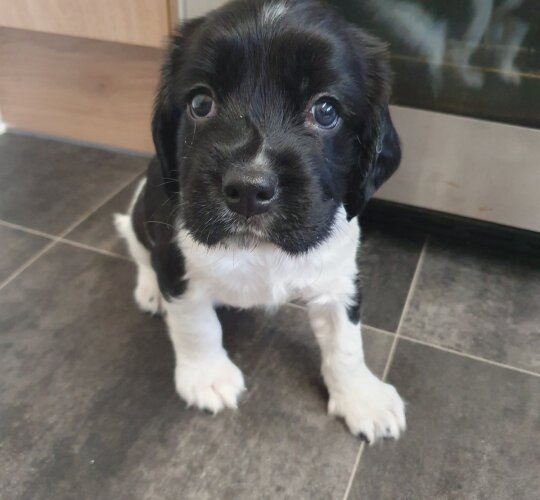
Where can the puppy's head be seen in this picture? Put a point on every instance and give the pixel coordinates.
(270, 116)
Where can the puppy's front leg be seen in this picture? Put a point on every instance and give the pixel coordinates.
(371, 408)
(204, 375)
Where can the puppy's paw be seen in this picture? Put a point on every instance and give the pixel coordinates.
(212, 385)
(147, 294)
(371, 408)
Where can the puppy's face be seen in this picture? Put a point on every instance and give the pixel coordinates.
(270, 116)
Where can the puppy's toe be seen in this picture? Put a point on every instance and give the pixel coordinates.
(210, 385)
(371, 408)
(148, 297)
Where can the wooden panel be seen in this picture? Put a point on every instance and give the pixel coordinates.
(83, 89)
(194, 8)
(142, 22)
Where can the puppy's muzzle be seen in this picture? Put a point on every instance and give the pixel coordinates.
(250, 193)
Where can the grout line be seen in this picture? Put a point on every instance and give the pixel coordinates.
(90, 248)
(67, 241)
(28, 230)
(103, 202)
(27, 264)
(405, 310)
(470, 356)
(354, 470)
(60, 237)
(378, 331)
(449, 350)
(390, 358)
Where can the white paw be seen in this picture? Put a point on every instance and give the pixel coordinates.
(147, 294)
(211, 385)
(371, 408)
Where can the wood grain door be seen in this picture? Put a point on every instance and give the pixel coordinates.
(139, 22)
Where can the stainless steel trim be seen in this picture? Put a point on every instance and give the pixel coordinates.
(194, 8)
(473, 168)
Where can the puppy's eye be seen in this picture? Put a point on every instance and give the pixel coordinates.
(324, 114)
(202, 106)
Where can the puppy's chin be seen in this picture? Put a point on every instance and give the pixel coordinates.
(248, 233)
(230, 230)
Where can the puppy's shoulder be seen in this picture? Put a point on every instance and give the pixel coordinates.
(155, 225)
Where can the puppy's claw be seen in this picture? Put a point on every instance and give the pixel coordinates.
(371, 408)
(364, 438)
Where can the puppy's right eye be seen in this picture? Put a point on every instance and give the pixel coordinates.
(325, 114)
(202, 106)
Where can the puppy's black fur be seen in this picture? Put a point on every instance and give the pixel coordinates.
(264, 74)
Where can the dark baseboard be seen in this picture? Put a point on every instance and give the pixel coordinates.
(405, 219)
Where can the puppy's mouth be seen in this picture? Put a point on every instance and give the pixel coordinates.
(248, 232)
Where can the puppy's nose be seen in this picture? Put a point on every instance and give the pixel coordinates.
(249, 194)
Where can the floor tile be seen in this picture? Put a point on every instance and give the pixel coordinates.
(47, 185)
(80, 373)
(474, 300)
(88, 405)
(473, 432)
(387, 266)
(16, 248)
(282, 444)
(98, 230)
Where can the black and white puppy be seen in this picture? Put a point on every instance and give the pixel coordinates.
(272, 132)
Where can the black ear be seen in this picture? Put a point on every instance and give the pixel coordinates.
(167, 111)
(380, 150)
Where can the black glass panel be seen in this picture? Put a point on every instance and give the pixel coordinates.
(478, 58)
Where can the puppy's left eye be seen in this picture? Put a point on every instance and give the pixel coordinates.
(202, 106)
(324, 114)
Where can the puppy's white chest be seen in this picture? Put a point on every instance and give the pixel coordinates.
(266, 276)
(244, 278)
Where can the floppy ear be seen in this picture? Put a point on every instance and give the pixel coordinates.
(380, 150)
(168, 112)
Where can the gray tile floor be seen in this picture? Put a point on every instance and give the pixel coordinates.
(87, 403)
